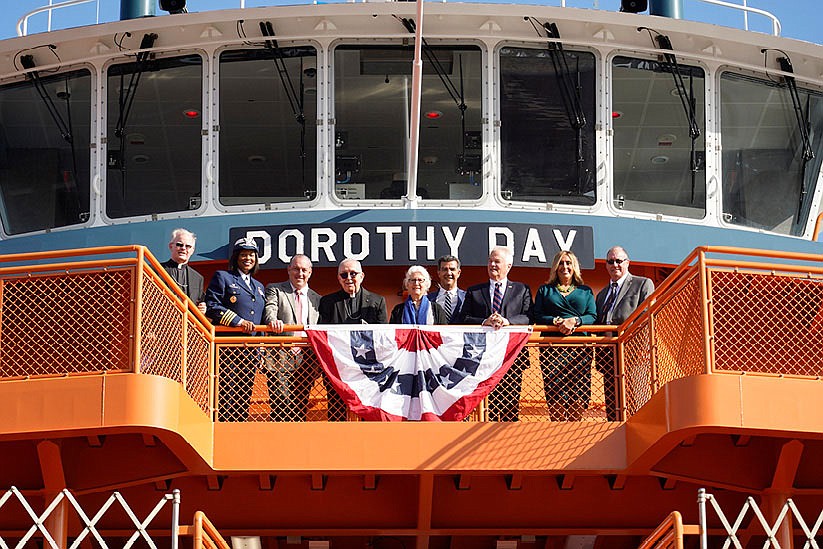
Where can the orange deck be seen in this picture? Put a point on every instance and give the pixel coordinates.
(740, 431)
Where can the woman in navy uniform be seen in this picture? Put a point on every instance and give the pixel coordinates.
(235, 298)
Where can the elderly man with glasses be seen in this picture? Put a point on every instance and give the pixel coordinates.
(352, 304)
(615, 303)
(181, 248)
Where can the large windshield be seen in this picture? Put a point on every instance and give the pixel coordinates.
(268, 125)
(659, 147)
(44, 152)
(768, 182)
(372, 96)
(547, 132)
(154, 136)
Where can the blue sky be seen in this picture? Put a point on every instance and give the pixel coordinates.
(794, 15)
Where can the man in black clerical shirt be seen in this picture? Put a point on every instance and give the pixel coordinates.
(181, 247)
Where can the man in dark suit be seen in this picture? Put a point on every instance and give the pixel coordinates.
(449, 296)
(615, 303)
(291, 372)
(181, 248)
(352, 304)
(497, 303)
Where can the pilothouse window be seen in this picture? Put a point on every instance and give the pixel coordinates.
(372, 113)
(659, 158)
(768, 181)
(268, 128)
(45, 151)
(154, 136)
(547, 125)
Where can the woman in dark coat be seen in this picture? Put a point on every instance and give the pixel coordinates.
(417, 308)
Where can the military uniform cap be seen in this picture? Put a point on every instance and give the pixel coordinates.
(246, 244)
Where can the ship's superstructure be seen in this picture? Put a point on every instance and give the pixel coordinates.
(698, 148)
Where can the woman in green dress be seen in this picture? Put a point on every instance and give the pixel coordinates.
(565, 302)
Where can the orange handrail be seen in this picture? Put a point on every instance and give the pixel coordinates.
(668, 535)
(205, 534)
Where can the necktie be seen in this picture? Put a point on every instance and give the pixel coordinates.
(607, 306)
(497, 303)
(447, 302)
(247, 280)
(298, 307)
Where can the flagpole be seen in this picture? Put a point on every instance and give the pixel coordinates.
(414, 126)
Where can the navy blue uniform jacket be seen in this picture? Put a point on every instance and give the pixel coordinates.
(229, 300)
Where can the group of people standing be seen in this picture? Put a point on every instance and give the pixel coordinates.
(235, 298)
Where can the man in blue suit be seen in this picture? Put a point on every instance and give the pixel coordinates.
(234, 298)
(497, 303)
(449, 296)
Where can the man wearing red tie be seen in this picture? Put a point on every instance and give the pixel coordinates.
(497, 303)
(291, 372)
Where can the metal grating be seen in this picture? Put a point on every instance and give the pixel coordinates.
(89, 323)
(759, 318)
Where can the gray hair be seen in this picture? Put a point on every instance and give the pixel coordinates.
(182, 232)
(414, 269)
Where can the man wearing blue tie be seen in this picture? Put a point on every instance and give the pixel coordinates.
(449, 296)
(615, 303)
(497, 303)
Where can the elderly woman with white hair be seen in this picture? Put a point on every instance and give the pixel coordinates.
(417, 308)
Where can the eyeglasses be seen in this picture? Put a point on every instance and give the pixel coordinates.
(348, 274)
(417, 280)
(181, 245)
(615, 261)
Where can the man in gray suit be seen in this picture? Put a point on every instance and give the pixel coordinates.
(291, 372)
(615, 303)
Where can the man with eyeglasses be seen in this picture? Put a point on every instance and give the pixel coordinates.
(352, 304)
(615, 303)
(181, 247)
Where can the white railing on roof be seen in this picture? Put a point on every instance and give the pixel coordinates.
(22, 23)
(746, 9)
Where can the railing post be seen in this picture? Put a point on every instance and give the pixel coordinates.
(175, 519)
(137, 308)
(701, 507)
(653, 353)
(619, 366)
(705, 304)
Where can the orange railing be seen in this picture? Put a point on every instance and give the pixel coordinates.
(204, 533)
(115, 310)
(104, 310)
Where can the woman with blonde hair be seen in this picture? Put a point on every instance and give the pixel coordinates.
(417, 308)
(565, 302)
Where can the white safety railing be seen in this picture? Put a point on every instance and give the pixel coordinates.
(746, 9)
(772, 529)
(23, 22)
(90, 524)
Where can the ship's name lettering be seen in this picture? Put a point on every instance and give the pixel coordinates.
(409, 243)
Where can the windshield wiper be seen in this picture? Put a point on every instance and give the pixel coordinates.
(569, 92)
(457, 95)
(687, 98)
(802, 125)
(296, 99)
(63, 126)
(126, 100)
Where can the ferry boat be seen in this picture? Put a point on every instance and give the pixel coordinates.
(396, 133)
